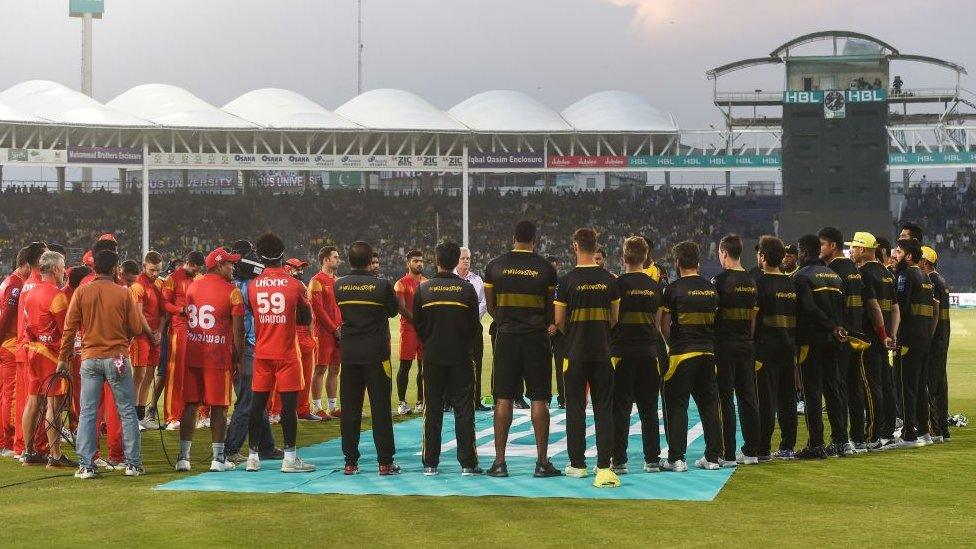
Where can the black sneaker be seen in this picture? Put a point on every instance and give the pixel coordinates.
(472, 471)
(62, 461)
(546, 470)
(833, 450)
(33, 459)
(812, 453)
(274, 455)
(499, 470)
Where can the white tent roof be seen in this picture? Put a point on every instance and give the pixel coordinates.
(397, 110)
(174, 107)
(507, 111)
(61, 105)
(10, 114)
(615, 112)
(278, 108)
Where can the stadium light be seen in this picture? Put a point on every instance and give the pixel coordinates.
(86, 10)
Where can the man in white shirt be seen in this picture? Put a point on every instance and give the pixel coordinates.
(464, 271)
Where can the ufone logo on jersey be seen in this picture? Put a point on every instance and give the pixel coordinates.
(271, 282)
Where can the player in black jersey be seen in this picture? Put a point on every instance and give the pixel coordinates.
(736, 371)
(690, 303)
(587, 307)
(858, 302)
(556, 343)
(917, 305)
(789, 260)
(518, 289)
(775, 351)
(938, 352)
(445, 314)
(875, 369)
(820, 333)
(633, 351)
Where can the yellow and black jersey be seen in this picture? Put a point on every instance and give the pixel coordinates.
(692, 302)
(587, 293)
(776, 317)
(523, 283)
(636, 331)
(916, 307)
(366, 303)
(445, 314)
(853, 293)
(940, 289)
(880, 284)
(820, 302)
(736, 303)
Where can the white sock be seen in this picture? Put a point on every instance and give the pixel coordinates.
(290, 453)
(218, 451)
(332, 404)
(252, 454)
(317, 404)
(185, 449)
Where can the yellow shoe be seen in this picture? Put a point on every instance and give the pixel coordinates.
(605, 478)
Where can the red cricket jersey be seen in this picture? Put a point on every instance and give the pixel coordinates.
(148, 297)
(174, 295)
(45, 308)
(10, 294)
(274, 297)
(321, 295)
(407, 287)
(211, 304)
(33, 280)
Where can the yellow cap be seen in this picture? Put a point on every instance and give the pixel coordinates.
(928, 254)
(863, 240)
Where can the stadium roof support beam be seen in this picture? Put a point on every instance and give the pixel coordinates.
(784, 49)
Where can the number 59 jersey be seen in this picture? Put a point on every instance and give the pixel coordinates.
(274, 297)
(211, 304)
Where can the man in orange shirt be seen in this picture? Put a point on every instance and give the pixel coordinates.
(327, 320)
(109, 319)
(44, 310)
(306, 346)
(405, 289)
(279, 305)
(145, 357)
(174, 302)
(33, 258)
(9, 299)
(215, 345)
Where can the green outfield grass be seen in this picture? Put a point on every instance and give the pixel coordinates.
(918, 497)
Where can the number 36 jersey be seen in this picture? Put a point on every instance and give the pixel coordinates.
(274, 297)
(211, 304)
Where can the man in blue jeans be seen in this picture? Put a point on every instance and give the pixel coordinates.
(108, 318)
(239, 421)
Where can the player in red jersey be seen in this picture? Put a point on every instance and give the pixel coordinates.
(10, 296)
(328, 319)
(44, 310)
(405, 289)
(145, 355)
(174, 301)
(306, 347)
(214, 347)
(33, 258)
(279, 305)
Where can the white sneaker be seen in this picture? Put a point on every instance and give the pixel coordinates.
(917, 443)
(743, 459)
(274, 419)
(134, 471)
(678, 466)
(253, 464)
(937, 439)
(403, 409)
(7, 453)
(801, 408)
(203, 423)
(654, 466)
(576, 472)
(183, 465)
(86, 472)
(727, 464)
(107, 465)
(221, 466)
(296, 465)
(148, 425)
(703, 463)
(173, 426)
(926, 439)
(419, 408)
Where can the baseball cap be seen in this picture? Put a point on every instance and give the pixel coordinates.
(296, 263)
(219, 255)
(108, 236)
(928, 254)
(863, 240)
